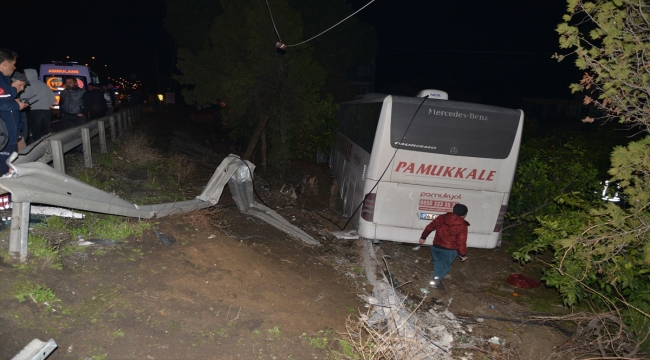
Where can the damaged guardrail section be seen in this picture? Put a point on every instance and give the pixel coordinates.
(36, 182)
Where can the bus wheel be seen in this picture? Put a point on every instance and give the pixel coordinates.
(376, 242)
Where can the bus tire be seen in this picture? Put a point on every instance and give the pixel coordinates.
(376, 242)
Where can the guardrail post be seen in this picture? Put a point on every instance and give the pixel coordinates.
(19, 229)
(85, 140)
(102, 137)
(57, 156)
(119, 124)
(112, 123)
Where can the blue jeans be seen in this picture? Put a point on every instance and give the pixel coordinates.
(442, 260)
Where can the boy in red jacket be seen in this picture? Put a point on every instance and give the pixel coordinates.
(450, 239)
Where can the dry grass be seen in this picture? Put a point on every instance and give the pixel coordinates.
(389, 339)
(137, 147)
(205, 218)
(182, 168)
(490, 352)
(598, 336)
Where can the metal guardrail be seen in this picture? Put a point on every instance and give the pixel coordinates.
(53, 147)
(33, 181)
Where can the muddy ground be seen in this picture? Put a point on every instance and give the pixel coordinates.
(232, 287)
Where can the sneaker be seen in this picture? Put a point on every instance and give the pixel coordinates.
(436, 284)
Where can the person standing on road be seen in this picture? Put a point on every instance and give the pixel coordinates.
(96, 102)
(71, 104)
(10, 107)
(20, 83)
(450, 239)
(40, 98)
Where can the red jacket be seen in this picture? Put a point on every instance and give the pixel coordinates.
(451, 232)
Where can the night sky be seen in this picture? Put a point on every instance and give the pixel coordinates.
(119, 33)
(491, 52)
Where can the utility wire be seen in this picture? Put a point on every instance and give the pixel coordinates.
(467, 51)
(313, 37)
(333, 26)
(276, 29)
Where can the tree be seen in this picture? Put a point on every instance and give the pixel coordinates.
(239, 64)
(611, 40)
(602, 252)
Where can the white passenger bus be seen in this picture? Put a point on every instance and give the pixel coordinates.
(426, 162)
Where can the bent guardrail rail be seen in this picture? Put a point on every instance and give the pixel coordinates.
(36, 182)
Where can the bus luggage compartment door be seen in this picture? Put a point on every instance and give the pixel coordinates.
(414, 206)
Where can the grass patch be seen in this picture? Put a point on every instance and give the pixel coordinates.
(51, 241)
(96, 308)
(137, 172)
(98, 226)
(274, 332)
(97, 176)
(117, 228)
(320, 341)
(42, 252)
(136, 147)
(97, 356)
(39, 294)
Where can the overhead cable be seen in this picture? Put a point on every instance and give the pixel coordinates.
(281, 45)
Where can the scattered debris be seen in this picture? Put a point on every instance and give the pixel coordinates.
(495, 342)
(346, 234)
(81, 241)
(105, 242)
(290, 192)
(405, 337)
(6, 204)
(164, 239)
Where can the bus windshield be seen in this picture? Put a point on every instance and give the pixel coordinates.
(453, 128)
